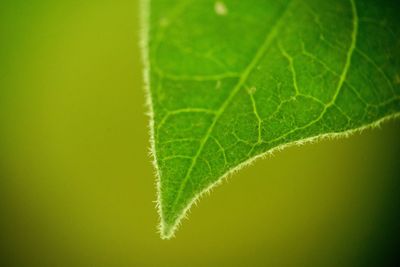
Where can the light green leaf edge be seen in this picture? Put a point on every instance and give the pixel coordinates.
(168, 231)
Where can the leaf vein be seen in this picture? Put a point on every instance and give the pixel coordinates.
(259, 54)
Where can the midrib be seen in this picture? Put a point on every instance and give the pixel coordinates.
(243, 78)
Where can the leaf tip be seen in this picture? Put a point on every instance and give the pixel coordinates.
(168, 225)
(167, 231)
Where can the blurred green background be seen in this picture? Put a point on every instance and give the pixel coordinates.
(77, 187)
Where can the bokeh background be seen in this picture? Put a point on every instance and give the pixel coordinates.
(77, 187)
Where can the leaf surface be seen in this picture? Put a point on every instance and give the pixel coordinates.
(230, 81)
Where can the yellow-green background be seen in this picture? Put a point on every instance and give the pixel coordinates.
(77, 187)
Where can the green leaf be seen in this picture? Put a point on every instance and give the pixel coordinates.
(230, 81)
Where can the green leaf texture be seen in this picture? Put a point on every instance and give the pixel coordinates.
(232, 80)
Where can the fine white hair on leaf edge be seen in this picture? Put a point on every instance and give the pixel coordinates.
(144, 7)
(168, 232)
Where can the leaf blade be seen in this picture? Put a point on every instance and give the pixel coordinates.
(247, 118)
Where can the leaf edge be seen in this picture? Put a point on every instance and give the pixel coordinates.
(168, 231)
